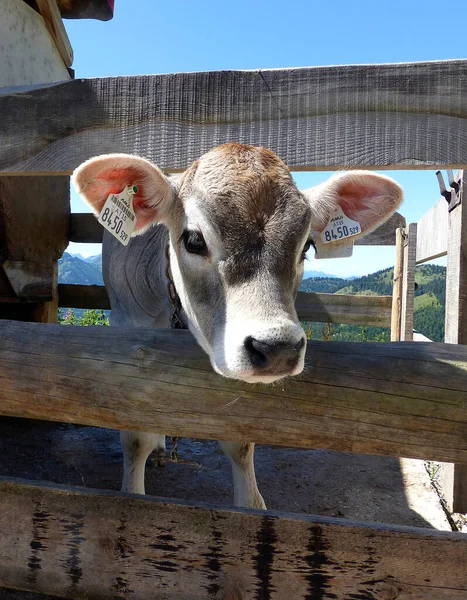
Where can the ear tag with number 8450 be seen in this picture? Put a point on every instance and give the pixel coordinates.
(339, 227)
(118, 216)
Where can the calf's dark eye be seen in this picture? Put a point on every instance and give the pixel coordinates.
(194, 242)
(306, 247)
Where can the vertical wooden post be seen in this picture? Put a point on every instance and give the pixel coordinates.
(396, 315)
(408, 283)
(454, 477)
(34, 232)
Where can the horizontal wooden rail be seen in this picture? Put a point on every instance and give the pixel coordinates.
(322, 308)
(399, 399)
(78, 543)
(432, 233)
(410, 115)
(344, 308)
(85, 229)
(83, 296)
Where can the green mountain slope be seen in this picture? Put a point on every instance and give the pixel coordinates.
(429, 305)
(72, 269)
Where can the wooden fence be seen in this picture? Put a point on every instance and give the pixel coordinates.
(442, 231)
(342, 308)
(401, 399)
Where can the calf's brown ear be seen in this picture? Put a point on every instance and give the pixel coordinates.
(101, 176)
(366, 197)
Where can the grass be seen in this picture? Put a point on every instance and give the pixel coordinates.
(428, 299)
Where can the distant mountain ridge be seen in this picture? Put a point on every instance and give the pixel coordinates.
(72, 269)
(430, 301)
(429, 304)
(308, 274)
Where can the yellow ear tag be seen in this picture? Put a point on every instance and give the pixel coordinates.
(339, 227)
(118, 216)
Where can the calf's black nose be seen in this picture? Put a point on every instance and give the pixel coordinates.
(272, 354)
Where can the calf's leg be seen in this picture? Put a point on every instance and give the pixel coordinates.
(246, 491)
(137, 446)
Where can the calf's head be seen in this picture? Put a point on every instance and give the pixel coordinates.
(239, 230)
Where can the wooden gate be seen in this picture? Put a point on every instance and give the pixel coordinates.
(400, 399)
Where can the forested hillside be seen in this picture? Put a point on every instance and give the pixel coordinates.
(429, 296)
(72, 269)
(429, 302)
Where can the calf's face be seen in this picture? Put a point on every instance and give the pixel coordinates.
(239, 230)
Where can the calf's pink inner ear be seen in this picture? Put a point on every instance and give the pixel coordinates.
(114, 181)
(97, 185)
(369, 199)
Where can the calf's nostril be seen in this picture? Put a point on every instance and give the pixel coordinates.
(299, 345)
(257, 351)
(262, 354)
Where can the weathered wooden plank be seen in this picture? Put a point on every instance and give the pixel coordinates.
(456, 272)
(313, 118)
(79, 543)
(34, 218)
(344, 308)
(385, 234)
(400, 399)
(29, 281)
(408, 282)
(455, 476)
(53, 20)
(324, 308)
(85, 229)
(28, 54)
(34, 226)
(396, 312)
(432, 233)
(83, 296)
(91, 9)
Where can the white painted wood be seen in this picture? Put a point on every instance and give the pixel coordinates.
(432, 233)
(53, 19)
(408, 283)
(419, 337)
(454, 477)
(396, 314)
(28, 54)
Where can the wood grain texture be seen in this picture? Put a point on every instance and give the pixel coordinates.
(85, 229)
(28, 54)
(385, 234)
(344, 308)
(79, 543)
(53, 20)
(323, 308)
(83, 296)
(455, 476)
(432, 233)
(399, 399)
(456, 272)
(34, 218)
(408, 282)
(410, 115)
(396, 311)
(29, 281)
(34, 232)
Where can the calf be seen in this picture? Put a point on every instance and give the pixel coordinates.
(235, 230)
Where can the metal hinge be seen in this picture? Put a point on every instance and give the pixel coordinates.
(452, 196)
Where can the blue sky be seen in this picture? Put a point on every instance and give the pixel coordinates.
(147, 37)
